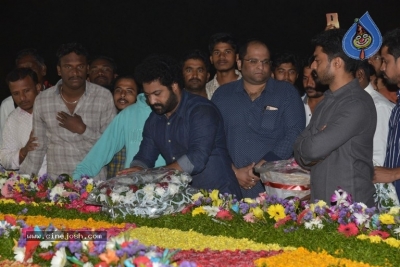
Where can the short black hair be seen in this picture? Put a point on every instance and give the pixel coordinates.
(391, 39)
(125, 76)
(30, 52)
(285, 57)
(162, 68)
(20, 74)
(367, 68)
(109, 59)
(66, 49)
(199, 55)
(243, 48)
(222, 37)
(331, 43)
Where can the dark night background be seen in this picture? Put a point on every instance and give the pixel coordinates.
(128, 31)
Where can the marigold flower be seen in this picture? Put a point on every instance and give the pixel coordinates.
(109, 256)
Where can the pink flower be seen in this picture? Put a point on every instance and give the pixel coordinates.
(85, 195)
(349, 229)
(282, 221)
(224, 215)
(89, 208)
(249, 217)
(5, 190)
(382, 234)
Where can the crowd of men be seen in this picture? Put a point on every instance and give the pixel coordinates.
(97, 122)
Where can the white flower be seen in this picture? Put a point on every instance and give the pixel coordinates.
(211, 210)
(397, 231)
(173, 189)
(33, 186)
(315, 223)
(116, 198)
(160, 191)
(4, 225)
(129, 198)
(59, 259)
(57, 190)
(121, 189)
(361, 218)
(45, 244)
(111, 244)
(19, 254)
(102, 197)
(148, 189)
(87, 264)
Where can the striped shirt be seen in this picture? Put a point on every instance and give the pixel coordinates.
(65, 149)
(392, 159)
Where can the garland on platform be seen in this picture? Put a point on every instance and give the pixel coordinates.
(288, 215)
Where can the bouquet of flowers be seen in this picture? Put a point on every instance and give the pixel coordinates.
(147, 193)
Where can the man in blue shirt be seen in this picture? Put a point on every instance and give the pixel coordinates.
(262, 116)
(186, 129)
(390, 53)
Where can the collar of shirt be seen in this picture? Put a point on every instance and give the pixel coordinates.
(88, 89)
(344, 90)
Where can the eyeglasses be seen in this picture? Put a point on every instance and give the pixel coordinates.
(254, 61)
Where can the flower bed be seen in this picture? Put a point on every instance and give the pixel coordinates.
(349, 233)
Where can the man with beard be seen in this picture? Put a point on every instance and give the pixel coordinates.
(69, 117)
(186, 129)
(390, 52)
(314, 91)
(223, 55)
(195, 68)
(337, 144)
(102, 71)
(262, 116)
(125, 131)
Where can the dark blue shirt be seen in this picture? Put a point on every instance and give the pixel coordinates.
(392, 159)
(265, 128)
(194, 137)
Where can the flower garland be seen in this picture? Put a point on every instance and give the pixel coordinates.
(304, 257)
(290, 214)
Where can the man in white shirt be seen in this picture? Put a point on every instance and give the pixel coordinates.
(223, 55)
(17, 138)
(383, 110)
(26, 58)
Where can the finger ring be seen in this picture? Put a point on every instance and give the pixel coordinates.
(249, 187)
(252, 179)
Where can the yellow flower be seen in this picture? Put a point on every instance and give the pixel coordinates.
(375, 239)
(258, 213)
(197, 196)
(276, 212)
(198, 210)
(303, 257)
(394, 210)
(320, 204)
(89, 188)
(22, 203)
(386, 218)
(216, 201)
(362, 237)
(393, 242)
(249, 200)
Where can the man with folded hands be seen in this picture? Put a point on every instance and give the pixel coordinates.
(262, 116)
